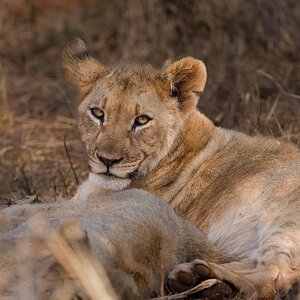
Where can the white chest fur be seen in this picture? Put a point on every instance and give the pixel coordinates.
(238, 231)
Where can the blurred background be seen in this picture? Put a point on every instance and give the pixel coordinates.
(251, 50)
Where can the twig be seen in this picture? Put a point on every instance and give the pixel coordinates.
(70, 161)
(289, 133)
(162, 272)
(279, 126)
(5, 111)
(273, 107)
(258, 116)
(279, 85)
(65, 99)
(5, 149)
(271, 131)
(209, 283)
(26, 181)
(63, 178)
(272, 110)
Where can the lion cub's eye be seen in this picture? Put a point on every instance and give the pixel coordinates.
(98, 113)
(141, 120)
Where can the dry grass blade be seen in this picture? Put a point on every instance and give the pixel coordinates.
(5, 149)
(70, 161)
(162, 271)
(279, 85)
(275, 103)
(198, 288)
(5, 110)
(81, 265)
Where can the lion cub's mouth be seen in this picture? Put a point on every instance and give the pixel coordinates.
(109, 172)
(114, 174)
(129, 175)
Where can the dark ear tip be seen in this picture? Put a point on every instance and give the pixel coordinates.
(174, 92)
(73, 48)
(76, 43)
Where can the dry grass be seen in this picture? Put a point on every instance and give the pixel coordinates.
(251, 49)
(79, 262)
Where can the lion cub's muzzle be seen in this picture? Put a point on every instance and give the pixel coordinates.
(118, 167)
(109, 162)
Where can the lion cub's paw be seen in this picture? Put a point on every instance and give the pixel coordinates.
(182, 278)
(188, 275)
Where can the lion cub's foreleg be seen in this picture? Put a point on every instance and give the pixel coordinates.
(245, 279)
(276, 263)
(200, 270)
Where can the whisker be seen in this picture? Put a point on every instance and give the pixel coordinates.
(132, 174)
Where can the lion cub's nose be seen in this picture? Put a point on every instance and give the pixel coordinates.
(108, 162)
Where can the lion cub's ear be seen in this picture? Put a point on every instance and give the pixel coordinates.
(82, 69)
(187, 77)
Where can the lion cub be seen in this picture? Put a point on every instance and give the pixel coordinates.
(141, 128)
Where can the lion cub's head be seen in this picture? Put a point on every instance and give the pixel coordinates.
(129, 115)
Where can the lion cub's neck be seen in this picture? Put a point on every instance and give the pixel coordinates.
(192, 138)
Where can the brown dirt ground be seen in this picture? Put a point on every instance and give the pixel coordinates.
(251, 49)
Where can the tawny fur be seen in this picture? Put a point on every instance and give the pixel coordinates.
(136, 236)
(242, 192)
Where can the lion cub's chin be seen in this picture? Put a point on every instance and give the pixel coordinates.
(100, 184)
